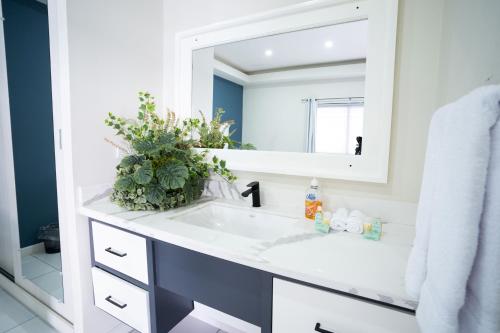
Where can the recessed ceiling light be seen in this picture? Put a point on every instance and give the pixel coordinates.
(328, 44)
(268, 53)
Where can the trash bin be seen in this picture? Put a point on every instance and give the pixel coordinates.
(49, 234)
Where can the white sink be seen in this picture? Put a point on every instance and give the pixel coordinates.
(254, 223)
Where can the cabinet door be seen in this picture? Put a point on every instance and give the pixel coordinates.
(301, 309)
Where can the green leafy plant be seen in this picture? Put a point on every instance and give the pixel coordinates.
(161, 169)
(215, 134)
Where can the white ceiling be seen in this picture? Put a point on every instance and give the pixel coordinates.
(299, 48)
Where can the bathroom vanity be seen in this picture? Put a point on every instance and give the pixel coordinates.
(262, 266)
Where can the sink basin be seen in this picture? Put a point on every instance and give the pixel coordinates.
(242, 221)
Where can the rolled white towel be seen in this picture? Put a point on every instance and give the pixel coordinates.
(339, 220)
(338, 225)
(357, 213)
(355, 222)
(355, 226)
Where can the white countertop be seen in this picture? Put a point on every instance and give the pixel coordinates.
(338, 260)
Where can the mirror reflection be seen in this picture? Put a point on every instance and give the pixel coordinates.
(26, 30)
(301, 91)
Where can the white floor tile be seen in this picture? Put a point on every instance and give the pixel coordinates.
(32, 267)
(35, 325)
(52, 259)
(193, 325)
(122, 328)
(12, 313)
(51, 283)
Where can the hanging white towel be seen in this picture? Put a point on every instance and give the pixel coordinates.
(454, 266)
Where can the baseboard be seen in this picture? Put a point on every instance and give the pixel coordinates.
(32, 249)
(38, 308)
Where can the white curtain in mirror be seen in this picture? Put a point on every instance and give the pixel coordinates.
(311, 105)
(334, 125)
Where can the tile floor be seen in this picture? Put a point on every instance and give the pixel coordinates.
(16, 318)
(44, 270)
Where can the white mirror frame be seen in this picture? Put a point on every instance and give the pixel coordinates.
(372, 165)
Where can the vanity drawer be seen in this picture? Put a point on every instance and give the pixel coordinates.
(299, 309)
(120, 250)
(122, 300)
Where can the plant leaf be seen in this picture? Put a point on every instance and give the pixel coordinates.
(173, 175)
(155, 194)
(130, 160)
(166, 141)
(145, 147)
(144, 174)
(125, 183)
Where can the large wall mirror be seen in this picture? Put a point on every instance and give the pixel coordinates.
(283, 92)
(307, 92)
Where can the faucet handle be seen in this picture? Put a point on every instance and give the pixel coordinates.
(254, 184)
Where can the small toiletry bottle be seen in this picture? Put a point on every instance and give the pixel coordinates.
(318, 217)
(322, 220)
(313, 199)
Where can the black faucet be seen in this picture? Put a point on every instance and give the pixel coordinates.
(255, 191)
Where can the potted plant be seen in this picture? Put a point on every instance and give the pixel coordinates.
(161, 170)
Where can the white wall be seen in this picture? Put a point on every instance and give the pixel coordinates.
(275, 118)
(203, 82)
(470, 54)
(115, 50)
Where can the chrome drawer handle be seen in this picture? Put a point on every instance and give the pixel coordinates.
(116, 253)
(318, 328)
(115, 303)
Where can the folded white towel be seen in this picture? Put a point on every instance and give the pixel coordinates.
(454, 266)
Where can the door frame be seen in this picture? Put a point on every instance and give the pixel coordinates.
(59, 60)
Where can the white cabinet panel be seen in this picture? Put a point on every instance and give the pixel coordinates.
(122, 300)
(299, 309)
(121, 251)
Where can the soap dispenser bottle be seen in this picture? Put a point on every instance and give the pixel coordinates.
(313, 200)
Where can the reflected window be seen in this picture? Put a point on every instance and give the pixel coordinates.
(339, 127)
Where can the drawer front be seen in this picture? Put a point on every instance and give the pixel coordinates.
(121, 251)
(122, 300)
(301, 309)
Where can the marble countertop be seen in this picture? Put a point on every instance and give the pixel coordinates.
(338, 260)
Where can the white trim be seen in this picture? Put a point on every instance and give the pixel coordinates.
(230, 73)
(38, 308)
(8, 205)
(62, 140)
(60, 103)
(372, 166)
(32, 249)
(332, 72)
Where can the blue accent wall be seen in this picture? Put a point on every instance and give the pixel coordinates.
(30, 95)
(229, 96)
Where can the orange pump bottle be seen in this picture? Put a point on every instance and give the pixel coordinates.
(313, 200)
